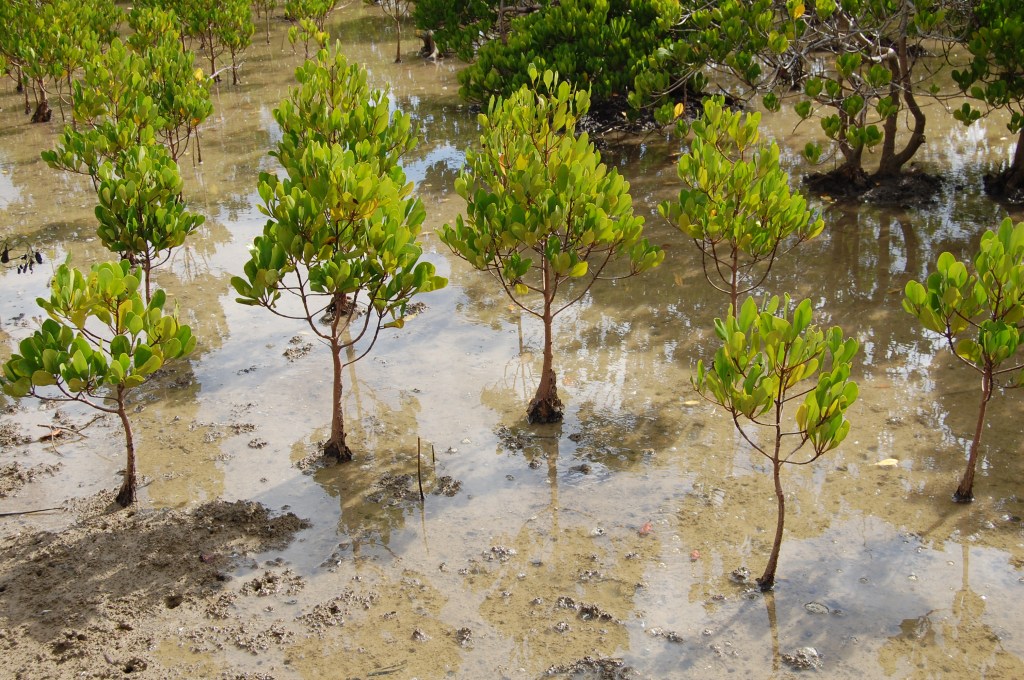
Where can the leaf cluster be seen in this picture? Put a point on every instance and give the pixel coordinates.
(733, 36)
(343, 221)
(541, 207)
(100, 334)
(141, 215)
(736, 202)
(980, 313)
(51, 39)
(995, 75)
(767, 358)
(126, 98)
(594, 44)
(461, 26)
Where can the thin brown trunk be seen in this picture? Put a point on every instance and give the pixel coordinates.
(336, 447)
(965, 492)
(147, 271)
(767, 580)
(734, 282)
(853, 162)
(71, 98)
(24, 89)
(126, 496)
(398, 28)
(546, 407)
(213, 60)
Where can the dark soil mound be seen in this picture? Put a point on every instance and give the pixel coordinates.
(1004, 187)
(907, 190)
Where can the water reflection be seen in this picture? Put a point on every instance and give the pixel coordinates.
(951, 641)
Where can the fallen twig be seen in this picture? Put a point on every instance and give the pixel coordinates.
(28, 512)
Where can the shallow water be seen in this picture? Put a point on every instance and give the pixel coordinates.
(879, 572)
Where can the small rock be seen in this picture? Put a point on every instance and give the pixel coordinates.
(804, 658)
(741, 575)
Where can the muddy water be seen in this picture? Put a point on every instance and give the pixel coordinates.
(538, 558)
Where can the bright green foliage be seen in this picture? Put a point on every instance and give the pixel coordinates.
(101, 340)
(100, 334)
(141, 215)
(995, 75)
(235, 29)
(306, 32)
(180, 93)
(736, 203)
(124, 102)
(740, 37)
(462, 25)
(221, 26)
(594, 44)
(127, 99)
(543, 214)
(49, 41)
(212, 27)
(78, 32)
(314, 10)
(14, 19)
(335, 105)
(767, 358)
(309, 17)
(342, 224)
(149, 25)
(980, 314)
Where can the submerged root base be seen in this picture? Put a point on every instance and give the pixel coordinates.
(963, 497)
(126, 496)
(338, 452)
(544, 411)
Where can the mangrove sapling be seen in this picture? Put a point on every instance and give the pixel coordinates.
(101, 341)
(141, 215)
(135, 93)
(544, 216)
(396, 10)
(265, 10)
(980, 314)
(770, 358)
(342, 224)
(308, 17)
(736, 203)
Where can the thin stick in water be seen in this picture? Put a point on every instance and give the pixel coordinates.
(419, 469)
